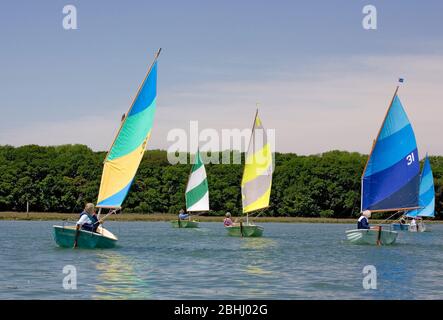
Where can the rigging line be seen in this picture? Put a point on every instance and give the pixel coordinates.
(261, 211)
(379, 224)
(107, 215)
(198, 213)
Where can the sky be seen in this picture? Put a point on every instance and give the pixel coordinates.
(322, 81)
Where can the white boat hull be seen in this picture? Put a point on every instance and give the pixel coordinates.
(371, 236)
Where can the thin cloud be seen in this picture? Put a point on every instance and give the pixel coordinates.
(333, 104)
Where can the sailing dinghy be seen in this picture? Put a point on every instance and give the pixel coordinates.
(196, 195)
(120, 165)
(65, 237)
(426, 199)
(256, 182)
(390, 180)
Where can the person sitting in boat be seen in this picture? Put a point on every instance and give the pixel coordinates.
(228, 221)
(88, 219)
(420, 223)
(182, 215)
(363, 221)
(413, 224)
(402, 220)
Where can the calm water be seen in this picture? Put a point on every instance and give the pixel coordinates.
(155, 261)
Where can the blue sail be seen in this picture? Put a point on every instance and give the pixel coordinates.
(392, 175)
(427, 193)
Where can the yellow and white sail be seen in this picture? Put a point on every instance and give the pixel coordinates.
(257, 175)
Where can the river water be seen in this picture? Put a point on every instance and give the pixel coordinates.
(155, 261)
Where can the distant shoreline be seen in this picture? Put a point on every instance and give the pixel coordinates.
(158, 217)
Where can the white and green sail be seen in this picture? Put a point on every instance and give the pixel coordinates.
(197, 194)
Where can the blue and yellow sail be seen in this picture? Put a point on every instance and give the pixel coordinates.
(126, 153)
(427, 193)
(257, 175)
(391, 178)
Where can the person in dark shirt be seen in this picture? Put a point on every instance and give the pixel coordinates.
(402, 220)
(363, 221)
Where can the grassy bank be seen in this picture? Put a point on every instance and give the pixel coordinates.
(45, 216)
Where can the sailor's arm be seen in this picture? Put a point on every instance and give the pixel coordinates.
(83, 219)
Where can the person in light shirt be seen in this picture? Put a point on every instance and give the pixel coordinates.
(413, 225)
(88, 219)
(228, 221)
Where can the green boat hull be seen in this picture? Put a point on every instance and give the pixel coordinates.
(370, 236)
(245, 231)
(184, 224)
(64, 236)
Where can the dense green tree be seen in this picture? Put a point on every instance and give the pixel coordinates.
(63, 178)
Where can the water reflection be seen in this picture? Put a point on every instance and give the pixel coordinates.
(258, 252)
(257, 270)
(120, 277)
(258, 244)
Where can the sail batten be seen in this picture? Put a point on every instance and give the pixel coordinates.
(127, 150)
(257, 175)
(391, 177)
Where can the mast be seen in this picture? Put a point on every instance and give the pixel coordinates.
(251, 141)
(189, 177)
(186, 187)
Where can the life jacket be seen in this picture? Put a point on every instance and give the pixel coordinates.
(90, 226)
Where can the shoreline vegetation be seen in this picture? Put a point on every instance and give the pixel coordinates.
(322, 187)
(164, 217)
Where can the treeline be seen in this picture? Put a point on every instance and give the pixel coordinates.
(63, 178)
